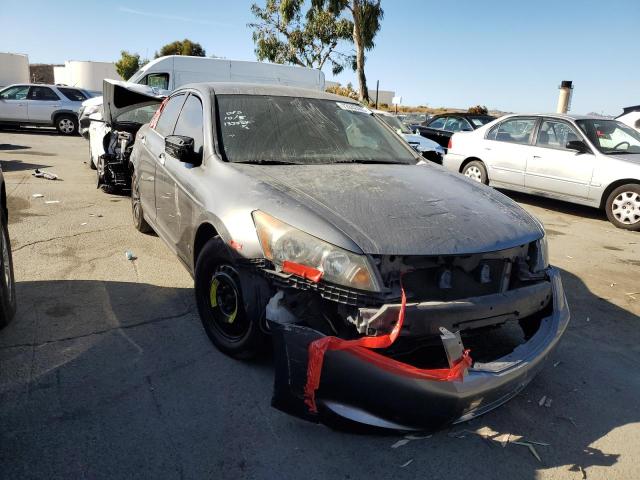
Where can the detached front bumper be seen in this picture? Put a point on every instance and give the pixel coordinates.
(360, 391)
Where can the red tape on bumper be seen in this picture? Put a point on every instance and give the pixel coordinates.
(361, 348)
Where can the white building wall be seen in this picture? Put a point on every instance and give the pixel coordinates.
(87, 75)
(14, 68)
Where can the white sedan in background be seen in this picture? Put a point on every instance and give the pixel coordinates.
(587, 160)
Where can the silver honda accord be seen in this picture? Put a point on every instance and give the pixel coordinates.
(394, 294)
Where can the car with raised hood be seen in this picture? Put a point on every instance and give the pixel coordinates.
(127, 106)
(427, 148)
(306, 221)
(587, 160)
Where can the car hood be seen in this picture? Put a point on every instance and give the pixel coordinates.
(401, 209)
(119, 97)
(424, 144)
(627, 157)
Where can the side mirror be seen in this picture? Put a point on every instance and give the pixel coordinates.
(180, 147)
(577, 145)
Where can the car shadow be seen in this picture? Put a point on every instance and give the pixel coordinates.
(32, 131)
(14, 165)
(9, 146)
(556, 205)
(125, 370)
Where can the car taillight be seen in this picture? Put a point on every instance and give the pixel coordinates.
(450, 144)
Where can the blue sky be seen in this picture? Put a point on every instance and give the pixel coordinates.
(505, 54)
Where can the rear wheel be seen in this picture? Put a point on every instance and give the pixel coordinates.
(623, 207)
(136, 207)
(475, 170)
(232, 325)
(7, 284)
(67, 124)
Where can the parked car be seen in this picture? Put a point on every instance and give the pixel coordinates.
(441, 127)
(304, 219)
(415, 118)
(113, 127)
(42, 105)
(427, 148)
(7, 282)
(586, 160)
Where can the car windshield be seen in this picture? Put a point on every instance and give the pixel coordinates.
(139, 115)
(480, 121)
(395, 123)
(611, 136)
(296, 130)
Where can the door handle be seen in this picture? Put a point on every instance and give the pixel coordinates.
(536, 156)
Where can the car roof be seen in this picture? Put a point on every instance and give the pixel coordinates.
(461, 114)
(239, 88)
(562, 116)
(41, 85)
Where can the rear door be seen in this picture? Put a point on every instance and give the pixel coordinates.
(13, 104)
(553, 168)
(434, 131)
(41, 103)
(507, 148)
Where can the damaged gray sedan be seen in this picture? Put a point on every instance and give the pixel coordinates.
(395, 295)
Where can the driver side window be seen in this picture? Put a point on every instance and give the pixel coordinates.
(169, 115)
(15, 93)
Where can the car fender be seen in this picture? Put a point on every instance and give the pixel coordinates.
(63, 111)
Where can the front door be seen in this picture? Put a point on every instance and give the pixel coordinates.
(42, 102)
(553, 168)
(13, 104)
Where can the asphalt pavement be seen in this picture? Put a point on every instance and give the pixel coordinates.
(106, 371)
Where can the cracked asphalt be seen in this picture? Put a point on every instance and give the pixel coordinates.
(106, 372)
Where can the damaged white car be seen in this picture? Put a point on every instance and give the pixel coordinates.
(113, 127)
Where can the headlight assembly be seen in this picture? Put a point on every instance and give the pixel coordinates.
(283, 243)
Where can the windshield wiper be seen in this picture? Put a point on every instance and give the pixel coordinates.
(267, 162)
(372, 162)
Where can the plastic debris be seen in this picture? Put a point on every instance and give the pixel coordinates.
(531, 448)
(49, 202)
(37, 195)
(542, 400)
(130, 256)
(548, 403)
(406, 464)
(83, 224)
(400, 443)
(557, 363)
(417, 437)
(47, 175)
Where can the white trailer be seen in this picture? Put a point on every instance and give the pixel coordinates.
(14, 68)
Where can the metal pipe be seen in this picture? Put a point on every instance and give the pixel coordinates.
(564, 99)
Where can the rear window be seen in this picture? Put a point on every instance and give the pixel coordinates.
(73, 94)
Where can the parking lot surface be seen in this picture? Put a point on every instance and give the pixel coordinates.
(106, 371)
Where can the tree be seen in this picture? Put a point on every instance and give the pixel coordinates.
(283, 34)
(478, 110)
(128, 64)
(182, 47)
(347, 91)
(366, 16)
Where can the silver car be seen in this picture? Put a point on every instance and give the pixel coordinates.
(587, 160)
(42, 105)
(306, 221)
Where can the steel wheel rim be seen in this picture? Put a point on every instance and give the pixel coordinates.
(6, 265)
(135, 199)
(224, 306)
(66, 125)
(473, 173)
(626, 208)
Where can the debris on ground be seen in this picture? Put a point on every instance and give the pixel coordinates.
(47, 175)
(130, 256)
(417, 437)
(49, 202)
(400, 443)
(83, 224)
(542, 400)
(531, 448)
(37, 195)
(557, 363)
(406, 464)
(583, 472)
(492, 437)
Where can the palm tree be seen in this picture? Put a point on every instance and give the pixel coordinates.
(367, 15)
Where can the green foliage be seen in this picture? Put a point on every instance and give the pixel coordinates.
(128, 64)
(283, 33)
(347, 91)
(182, 47)
(478, 110)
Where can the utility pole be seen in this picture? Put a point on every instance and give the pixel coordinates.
(377, 87)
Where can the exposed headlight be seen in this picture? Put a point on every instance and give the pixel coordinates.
(90, 110)
(541, 262)
(281, 242)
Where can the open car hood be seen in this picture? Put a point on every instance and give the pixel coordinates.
(120, 97)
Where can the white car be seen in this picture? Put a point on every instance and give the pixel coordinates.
(427, 148)
(587, 160)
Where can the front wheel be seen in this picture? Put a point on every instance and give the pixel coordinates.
(136, 206)
(623, 207)
(7, 283)
(232, 325)
(476, 171)
(67, 124)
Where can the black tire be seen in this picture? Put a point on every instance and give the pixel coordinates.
(136, 206)
(67, 124)
(475, 170)
(623, 207)
(232, 325)
(7, 281)
(92, 165)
